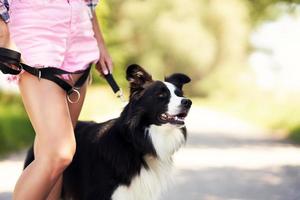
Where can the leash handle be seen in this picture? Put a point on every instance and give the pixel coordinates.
(111, 81)
(115, 87)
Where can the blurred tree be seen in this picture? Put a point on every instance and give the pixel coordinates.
(207, 39)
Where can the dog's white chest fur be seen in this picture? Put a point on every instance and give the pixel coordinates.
(149, 184)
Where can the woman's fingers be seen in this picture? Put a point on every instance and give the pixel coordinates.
(101, 67)
(105, 64)
(104, 67)
(109, 65)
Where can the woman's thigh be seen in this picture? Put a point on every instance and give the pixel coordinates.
(47, 107)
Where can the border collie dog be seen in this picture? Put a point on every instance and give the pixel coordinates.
(130, 157)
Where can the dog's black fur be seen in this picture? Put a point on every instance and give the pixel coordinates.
(112, 153)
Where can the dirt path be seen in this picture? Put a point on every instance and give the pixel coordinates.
(228, 159)
(224, 159)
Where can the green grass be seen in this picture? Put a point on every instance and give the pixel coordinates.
(16, 131)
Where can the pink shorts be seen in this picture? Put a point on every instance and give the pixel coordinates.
(53, 33)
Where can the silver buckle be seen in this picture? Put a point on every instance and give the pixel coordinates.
(120, 95)
(21, 67)
(73, 90)
(40, 74)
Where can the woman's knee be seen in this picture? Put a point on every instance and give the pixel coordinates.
(57, 156)
(63, 156)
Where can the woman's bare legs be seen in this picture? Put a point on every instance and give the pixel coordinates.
(47, 108)
(75, 110)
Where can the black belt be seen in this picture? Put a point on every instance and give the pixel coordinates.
(9, 57)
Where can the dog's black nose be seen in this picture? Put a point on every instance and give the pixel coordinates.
(186, 103)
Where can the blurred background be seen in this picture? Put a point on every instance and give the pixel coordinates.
(242, 56)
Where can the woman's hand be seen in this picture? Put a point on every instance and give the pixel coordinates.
(105, 64)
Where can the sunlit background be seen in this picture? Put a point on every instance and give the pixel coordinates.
(243, 58)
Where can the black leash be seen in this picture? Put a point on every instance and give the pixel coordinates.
(114, 86)
(9, 57)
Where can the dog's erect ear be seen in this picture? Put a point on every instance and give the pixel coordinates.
(137, 76)
(178, 79)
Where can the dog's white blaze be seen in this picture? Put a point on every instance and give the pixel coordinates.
(175, 101)
(149, 184)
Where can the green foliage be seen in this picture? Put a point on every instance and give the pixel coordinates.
(209, 40)
(15, 129)
(295, 135)
(261, 10)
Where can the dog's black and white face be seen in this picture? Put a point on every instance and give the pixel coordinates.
(160, 108)
(163, 102)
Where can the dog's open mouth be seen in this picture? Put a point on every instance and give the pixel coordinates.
(173, 119)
